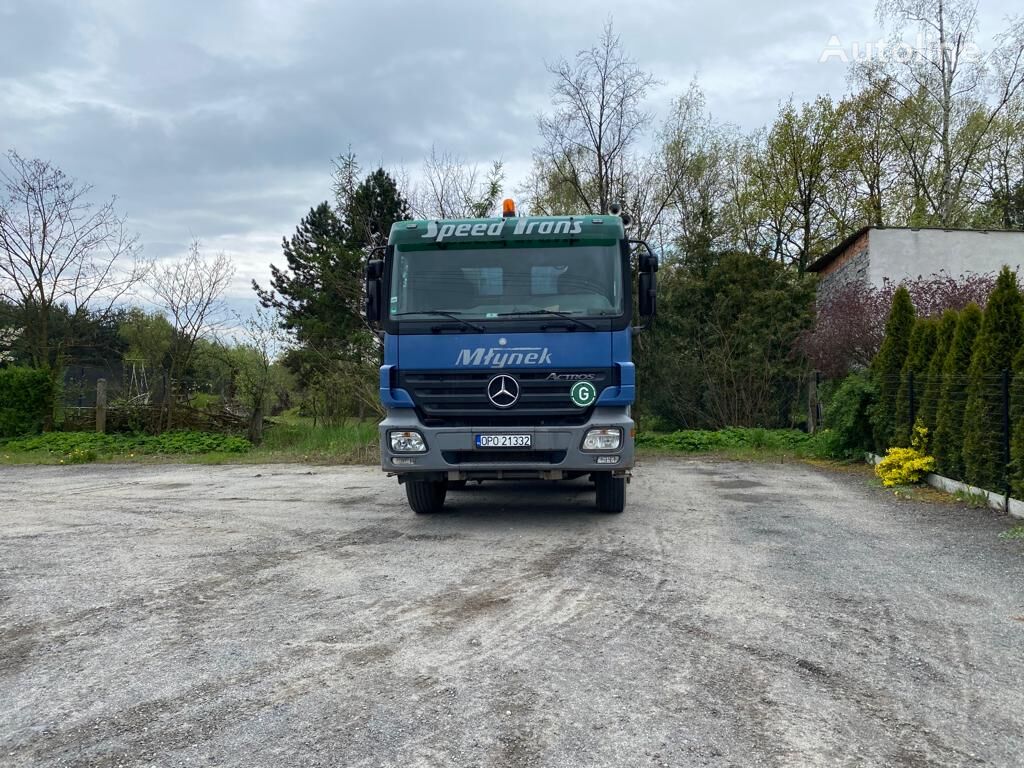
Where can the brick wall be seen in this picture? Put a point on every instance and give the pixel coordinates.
(851, 266)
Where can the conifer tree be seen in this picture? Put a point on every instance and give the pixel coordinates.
(1017, 427)
(933, 375)
(947, 443)
(912, 378)
(888, 365)
(994, 351)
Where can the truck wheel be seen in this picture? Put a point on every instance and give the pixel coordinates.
(426, 496)
(611, 493)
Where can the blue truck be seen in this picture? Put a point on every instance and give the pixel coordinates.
(507, 351)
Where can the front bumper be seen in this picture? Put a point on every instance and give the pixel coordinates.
(555, 452)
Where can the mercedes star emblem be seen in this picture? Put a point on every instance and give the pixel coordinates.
(503, 391)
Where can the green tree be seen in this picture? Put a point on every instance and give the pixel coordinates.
(371, 209)
(994, 351)
(318, 295)
(932, 383)
(887, 368)
(721, 354)
(912, 377)
(798, 167)
(948, 441)
(1017, 427)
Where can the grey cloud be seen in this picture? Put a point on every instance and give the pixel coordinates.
(219, 119)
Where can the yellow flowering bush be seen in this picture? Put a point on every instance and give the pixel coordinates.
(906, 466)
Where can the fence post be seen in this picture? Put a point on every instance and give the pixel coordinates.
(812, 404)
(817, 401)
(913, 404)
(101, 405)
(1006, 431)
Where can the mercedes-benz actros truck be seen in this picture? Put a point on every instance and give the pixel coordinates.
(507, 351)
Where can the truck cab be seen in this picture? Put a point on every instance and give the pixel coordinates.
(507, 351)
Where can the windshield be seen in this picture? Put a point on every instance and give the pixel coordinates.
(493, 283)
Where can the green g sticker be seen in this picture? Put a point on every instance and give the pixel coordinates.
(583, 393)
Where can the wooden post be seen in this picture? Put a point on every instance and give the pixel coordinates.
(101, 405)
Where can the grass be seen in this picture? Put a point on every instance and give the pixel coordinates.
(296, 439)
(971, 499)
(740, 443)
(289, 439)
(1013, 534)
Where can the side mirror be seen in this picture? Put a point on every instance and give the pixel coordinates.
(374, 288)
(647, 298)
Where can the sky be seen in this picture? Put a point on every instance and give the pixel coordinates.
(218, 120)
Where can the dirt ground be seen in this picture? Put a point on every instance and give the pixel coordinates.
(734, 615)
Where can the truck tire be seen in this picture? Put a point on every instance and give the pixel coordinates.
(611, 493)
(426, 496)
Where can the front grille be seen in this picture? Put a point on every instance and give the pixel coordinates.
(492, 456)
(459, 398)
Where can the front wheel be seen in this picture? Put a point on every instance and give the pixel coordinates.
(426, 496)
(611, 493)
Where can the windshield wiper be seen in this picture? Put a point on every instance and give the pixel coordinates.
(554, 312)
(440, 313)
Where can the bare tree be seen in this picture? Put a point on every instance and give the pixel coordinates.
(455, 189)
(59, 249)
(952, 95)
(598, 117)
(190, 293)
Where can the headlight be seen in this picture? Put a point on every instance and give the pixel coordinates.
(603, 439)
(408, 442)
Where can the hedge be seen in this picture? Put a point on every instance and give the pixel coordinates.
(994, 351)
(26, 399)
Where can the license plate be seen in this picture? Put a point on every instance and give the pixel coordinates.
(504, 441)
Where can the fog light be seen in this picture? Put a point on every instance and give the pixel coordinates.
(408, 442)
(603, 439)
(607, 459)
(404, 461)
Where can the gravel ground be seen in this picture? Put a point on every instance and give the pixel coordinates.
(735, 614)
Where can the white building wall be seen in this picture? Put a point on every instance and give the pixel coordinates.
(898, 254)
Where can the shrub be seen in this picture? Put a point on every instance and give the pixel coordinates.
(89, 446)
(846, 417)
(849, 323)
(887, 367)
(994, 351)
(702, 440)
(26, 399)
(919, 353)
(947, 445)
(906, 466)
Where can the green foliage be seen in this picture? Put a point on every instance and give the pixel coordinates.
(149, 337)
(847, 417)
(1013, 534)
(297, 438)
(887, 368)
(994, 351)
(78, 447)
(919, 354)
(947, 445)
(906, 466)
(720, 354)
(1017, 426)
(929, 409)
(705, 441)
(318, 294)
(26, 399)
